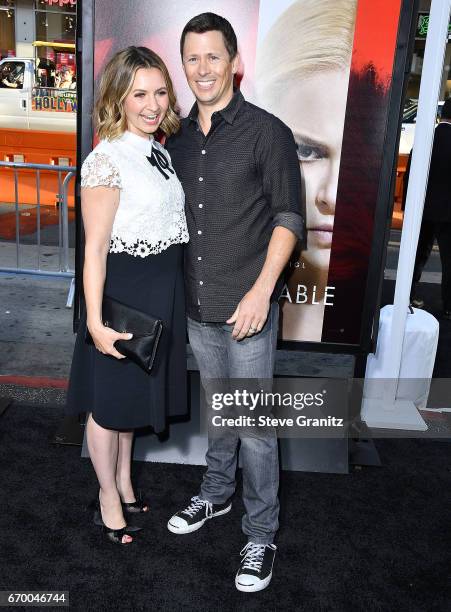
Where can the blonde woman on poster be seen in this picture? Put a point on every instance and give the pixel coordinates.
(302, 76)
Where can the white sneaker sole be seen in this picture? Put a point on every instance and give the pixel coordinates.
(252, 588)
(190, 528)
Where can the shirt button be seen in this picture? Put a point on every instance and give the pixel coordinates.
(199, 258)
(201, 282)
(201, 205)
(199, 232)
(203, 151)
(201, 179)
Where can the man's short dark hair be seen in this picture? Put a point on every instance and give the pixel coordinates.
(208, 22)
(446, 110)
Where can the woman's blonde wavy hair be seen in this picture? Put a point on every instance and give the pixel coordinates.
(311, 36)
(115, 84)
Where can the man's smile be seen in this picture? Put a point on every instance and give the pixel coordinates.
(206, 84)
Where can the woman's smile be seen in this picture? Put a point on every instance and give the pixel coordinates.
(150, 119)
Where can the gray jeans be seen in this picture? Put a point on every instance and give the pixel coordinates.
(220, 357)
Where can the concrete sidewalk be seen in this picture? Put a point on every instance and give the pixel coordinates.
(36, 336)
(49, 258)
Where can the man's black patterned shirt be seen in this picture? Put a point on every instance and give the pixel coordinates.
(240, 181)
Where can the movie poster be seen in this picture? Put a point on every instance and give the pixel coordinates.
(303, 63)
(325, 69)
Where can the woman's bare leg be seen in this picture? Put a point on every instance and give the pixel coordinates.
(103, 449)
(124, 464)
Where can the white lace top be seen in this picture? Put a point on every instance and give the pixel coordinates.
(151, 213)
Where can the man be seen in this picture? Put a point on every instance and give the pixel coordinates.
(15, 77)
(436, 222)
(240, 172)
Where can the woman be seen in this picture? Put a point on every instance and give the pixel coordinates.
(65, 79)
(305, 83)
(135, 227)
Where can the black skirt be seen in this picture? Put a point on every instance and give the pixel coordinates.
(119, 393)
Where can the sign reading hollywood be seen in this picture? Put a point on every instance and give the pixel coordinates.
(55, 100)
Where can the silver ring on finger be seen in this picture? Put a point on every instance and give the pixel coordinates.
(252, 330)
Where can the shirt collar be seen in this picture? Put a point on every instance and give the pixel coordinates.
(228, 113)
(143, 145)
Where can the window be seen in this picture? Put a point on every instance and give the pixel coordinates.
(55, 20)
(55, 23)
(7, 29)
(12, 75)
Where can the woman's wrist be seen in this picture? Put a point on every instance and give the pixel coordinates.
(94, 325)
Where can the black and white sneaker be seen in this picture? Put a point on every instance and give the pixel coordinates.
(255, 570)
(194, 516)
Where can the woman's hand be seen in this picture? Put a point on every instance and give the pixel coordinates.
(104, 339)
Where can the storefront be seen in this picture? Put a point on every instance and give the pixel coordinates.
(24, 21)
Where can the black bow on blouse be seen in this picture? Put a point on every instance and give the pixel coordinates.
(159, 161)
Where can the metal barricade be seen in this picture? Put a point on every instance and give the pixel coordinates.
(63, 217)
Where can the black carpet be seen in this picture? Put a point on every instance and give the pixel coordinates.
(376, 539)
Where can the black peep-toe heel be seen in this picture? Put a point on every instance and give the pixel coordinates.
(94, 506)
(136, 507)
(116, 535)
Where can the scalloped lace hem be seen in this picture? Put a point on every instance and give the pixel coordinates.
(142, 248)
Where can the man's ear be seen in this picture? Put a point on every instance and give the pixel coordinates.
(236, 63)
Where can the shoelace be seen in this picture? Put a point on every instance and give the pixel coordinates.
(197, 504)
(253, 556)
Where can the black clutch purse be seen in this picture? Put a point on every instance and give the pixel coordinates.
(145, 328)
